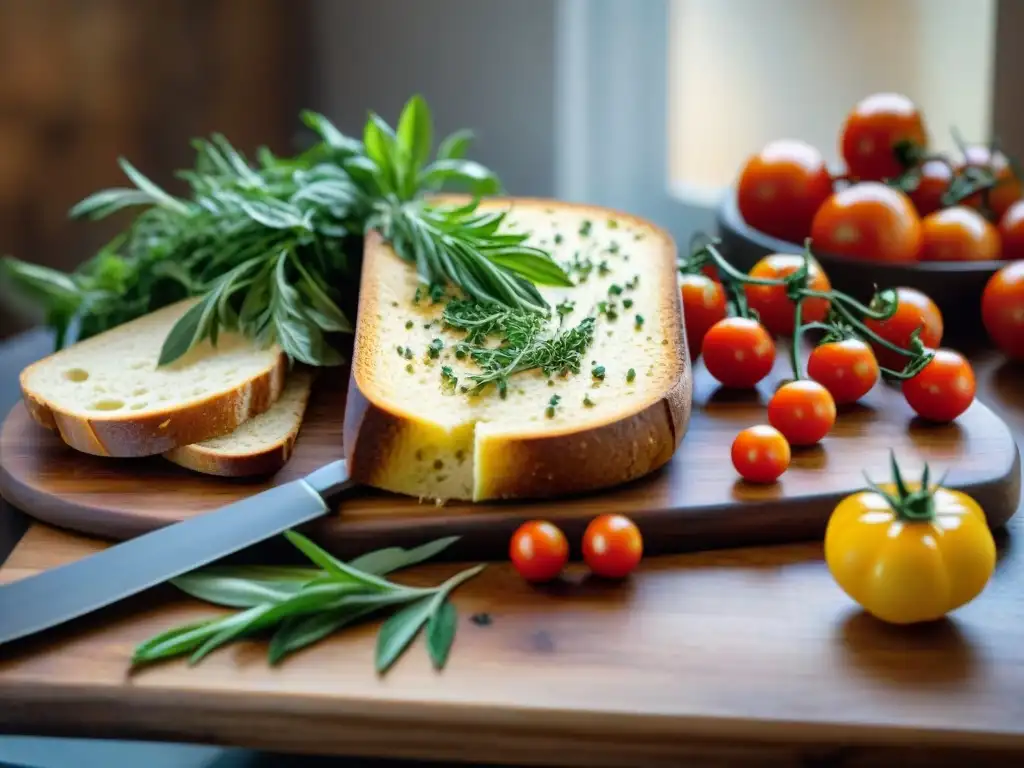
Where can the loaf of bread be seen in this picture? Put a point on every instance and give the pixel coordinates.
(107, 396)
(261, 446)
(412, 428)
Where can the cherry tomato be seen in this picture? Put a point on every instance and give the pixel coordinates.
(943, 389)
(1002, 309)
(847, 369)
(781, 187)
(1007, 189)
(913, 310)
(703, 306)
(873, 129)
(760, 454)
(935, 178)
(803, 411)
(538, 550)
(774, 308)
(958, 234)
(738, 352)
(1011, 231)
(868, 221)
(612, 546)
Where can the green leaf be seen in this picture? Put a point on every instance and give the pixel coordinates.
(455, 145)
(145, 185)
(385, 561)
(235, 592)
(54, 289)
(535, 266)
(336, 567)
(329, 133)
(400, 630)
(189, 330)
(298, 633)
(479, 179)
(179, 640)
(415, 133)
(380, 148)
(441, 633)
(109, 201)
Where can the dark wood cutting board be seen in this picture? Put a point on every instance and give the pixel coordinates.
(696, 502)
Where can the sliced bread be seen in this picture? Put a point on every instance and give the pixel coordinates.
(106, 396)
(408, 430)
(261, 446)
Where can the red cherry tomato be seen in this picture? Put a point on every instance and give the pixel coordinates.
(760, 454)
(612, 546)
(781, 187)
(873, 129)
(1011, 231)
(943, 389)
(773, 307)
(538, 550)
(913, 310)
(935, 179)
(847, 369)
(868, 221)
(703, 306)
(738, 352)
(803, 411)
(1002, 309)
(958, 234)
(1007, 189)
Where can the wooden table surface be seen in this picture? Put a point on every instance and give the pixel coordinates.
(741, 657)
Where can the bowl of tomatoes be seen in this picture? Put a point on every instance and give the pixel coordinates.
(897, 213)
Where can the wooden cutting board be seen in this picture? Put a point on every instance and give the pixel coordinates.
(696, 502)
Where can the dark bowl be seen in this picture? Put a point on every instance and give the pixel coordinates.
(954, 286)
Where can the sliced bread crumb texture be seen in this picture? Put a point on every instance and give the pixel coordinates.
(261, 446)
(409, 430)
(107, 396)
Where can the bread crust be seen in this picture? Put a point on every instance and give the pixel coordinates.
(527, 465)
(133, 435)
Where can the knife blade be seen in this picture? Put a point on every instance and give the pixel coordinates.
(70, 591)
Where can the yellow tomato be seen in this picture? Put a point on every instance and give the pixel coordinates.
(909, 555)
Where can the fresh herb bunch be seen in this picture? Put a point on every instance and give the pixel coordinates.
(304, 605)
(525, 344)
(268, 246)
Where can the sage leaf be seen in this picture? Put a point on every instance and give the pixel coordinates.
(234, 592)
(441, 633)
(187, 331)
(400, 630)
(336, 567)
(385, 561)
(297, 633)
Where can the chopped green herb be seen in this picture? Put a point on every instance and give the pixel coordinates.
(603, 268)
(552, 404)
(408, 368)
(627, 303)
(558, 239)
(434, 350)
(613, 224)
(587, 401)
(614, 247)
(597, 372)
(585, 228)
(408, 325)
(630, 375)
(565, 307)
(633, 282)
(448, 378)
(639, 322)
(615, 289)
(407, 354)
(551, 382)
(394, 303)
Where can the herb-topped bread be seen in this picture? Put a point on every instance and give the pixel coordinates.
(107, 396)
(451, 398)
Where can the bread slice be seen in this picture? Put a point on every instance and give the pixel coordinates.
(406, 432)
(106, 396)
(261, 446)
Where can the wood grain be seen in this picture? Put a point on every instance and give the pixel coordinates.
(696, 502)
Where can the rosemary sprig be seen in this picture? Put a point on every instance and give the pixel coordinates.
(305, 605)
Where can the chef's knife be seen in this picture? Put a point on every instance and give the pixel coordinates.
(59, 595)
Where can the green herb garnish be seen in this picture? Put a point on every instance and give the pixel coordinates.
(587, 402)
(585, 228)
(630, 375)
(434, 350)
(552, 404)
(627, 303)
(597, 372)
(409, 324)
(639, 322)
(448, 379)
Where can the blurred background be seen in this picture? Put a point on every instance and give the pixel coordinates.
(648, 105)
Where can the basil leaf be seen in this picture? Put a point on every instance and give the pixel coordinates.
(441, 633)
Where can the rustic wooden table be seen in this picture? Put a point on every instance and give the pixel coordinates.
(740, 657)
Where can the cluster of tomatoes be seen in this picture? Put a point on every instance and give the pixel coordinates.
(739, 352)
(612, 548)
(896, 202)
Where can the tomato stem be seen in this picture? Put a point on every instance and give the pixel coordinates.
(912, 506)
(798, 329)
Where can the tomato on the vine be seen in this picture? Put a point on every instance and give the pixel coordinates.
(874, 128)
(1007, 189)
(612, 546)
(913, 310)
(1002, 309)
(847, 369)
(1011, 231)
(934, 179)
(538, 550)
(803, 411)
(958, 233)
(738, 352)
(760, 454)
(773, 306)
(781, 187)
(943, 389)
(868, 221)
(703, 305)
